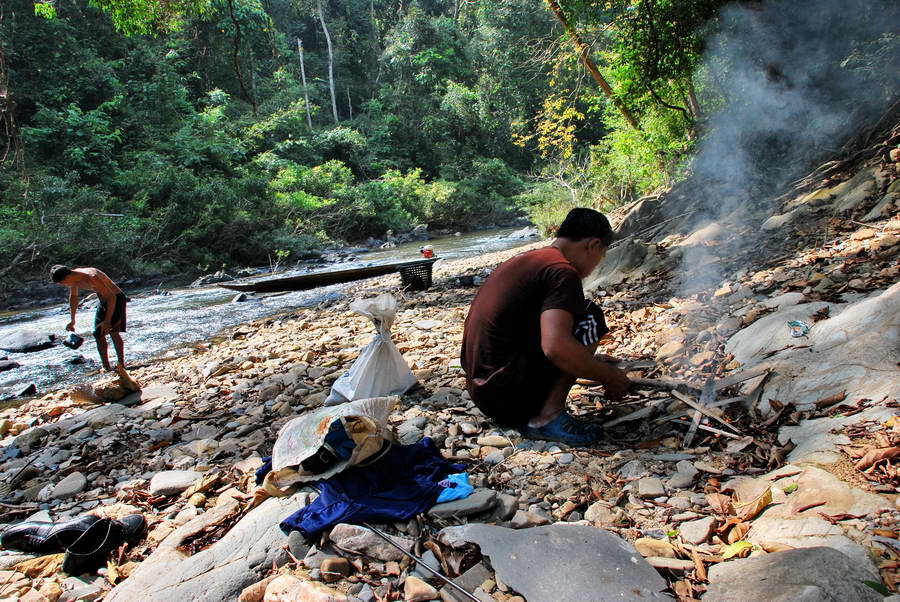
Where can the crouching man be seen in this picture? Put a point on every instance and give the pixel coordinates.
(530, 333)
(110, 316)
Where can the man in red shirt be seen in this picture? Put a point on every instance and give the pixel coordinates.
(530, 333)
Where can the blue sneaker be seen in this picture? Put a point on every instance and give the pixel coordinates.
(565, 429)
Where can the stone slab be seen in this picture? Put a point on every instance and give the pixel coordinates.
(220, 572)
(804, 575)
(567, 562)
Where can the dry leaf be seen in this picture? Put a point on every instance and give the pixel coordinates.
(738, 549)
(772, 547)
(748, 510)
(738, 533)
(830, 400)
(877, 455)
(205, 484)
(42, 566)
(720, 503)
(112, 571)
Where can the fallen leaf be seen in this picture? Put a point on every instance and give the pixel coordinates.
(806, 507)
(720, 503)
(830, 400)
(112, 571)
(791, 488)
(738, 549)
(834, 518)
(748, 510)
(877, 455)
(772, 547)
(42, 566)
(738, 533)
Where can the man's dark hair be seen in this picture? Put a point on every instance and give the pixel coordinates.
(59, 272)
(584, 223)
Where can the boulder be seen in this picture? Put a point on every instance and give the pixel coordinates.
(364, 541)
(802, 575)
(26, 341)
(223, 570)
(566, 562)
(621, 262)
(855, 350)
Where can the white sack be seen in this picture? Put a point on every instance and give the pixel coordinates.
(303, 436)
(379, 370)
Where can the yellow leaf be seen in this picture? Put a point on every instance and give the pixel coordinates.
(738, 549)
(748, 510)
(112, 571)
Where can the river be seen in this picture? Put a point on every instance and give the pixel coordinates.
(165, 325)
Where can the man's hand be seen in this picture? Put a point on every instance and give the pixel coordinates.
(105, 328)
(71, 326)
(607, 358)
(616, 384)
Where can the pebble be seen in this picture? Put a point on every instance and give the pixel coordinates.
(69, 486)
(697, 531)
(564, 459)
(650, 487)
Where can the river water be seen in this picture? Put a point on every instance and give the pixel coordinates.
(166, 325)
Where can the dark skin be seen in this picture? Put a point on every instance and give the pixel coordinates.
(92, 279)
(565, 351)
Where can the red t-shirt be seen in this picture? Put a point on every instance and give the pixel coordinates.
(501, 349)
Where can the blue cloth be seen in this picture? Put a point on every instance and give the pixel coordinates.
(263, 470)
(404, 482)
(456, 487)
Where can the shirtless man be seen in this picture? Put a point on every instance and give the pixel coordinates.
(106, 321)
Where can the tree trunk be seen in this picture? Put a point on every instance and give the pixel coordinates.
(237, 64)
(591, 67)
(330, 61)
(693, 102)
(305, 90)
(349, 104)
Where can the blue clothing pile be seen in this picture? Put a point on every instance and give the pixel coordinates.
(404, 482)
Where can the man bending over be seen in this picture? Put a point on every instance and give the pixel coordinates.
(530, 333)
(110, 317)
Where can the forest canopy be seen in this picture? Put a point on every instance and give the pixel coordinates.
(154, 136)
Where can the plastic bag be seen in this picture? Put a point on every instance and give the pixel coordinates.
(379, 370)
(365, 421)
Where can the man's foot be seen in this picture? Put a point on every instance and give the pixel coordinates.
(565, 429)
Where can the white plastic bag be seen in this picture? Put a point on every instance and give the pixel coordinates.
(301, 438)
(379, 370)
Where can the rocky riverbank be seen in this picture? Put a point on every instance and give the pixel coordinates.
(787, 471)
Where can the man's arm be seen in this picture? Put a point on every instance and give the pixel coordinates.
(560, 346)
(73, 307)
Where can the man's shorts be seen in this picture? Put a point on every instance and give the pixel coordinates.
(117, 323)
(516, 393)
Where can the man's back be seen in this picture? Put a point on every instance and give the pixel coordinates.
(504, 321)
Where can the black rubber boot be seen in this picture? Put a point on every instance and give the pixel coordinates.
(46, 538)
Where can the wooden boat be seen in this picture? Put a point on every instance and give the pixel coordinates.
(415, 275)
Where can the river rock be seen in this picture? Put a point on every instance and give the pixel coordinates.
(481, 500)
(416, 590)
(8, 365)
(26, 341)
(364, 541)
(697, 531)
(221, 571)
(69, 486)
(650, 487)
(803, 575)
(173, 482)
(30, 438)
(566, 562)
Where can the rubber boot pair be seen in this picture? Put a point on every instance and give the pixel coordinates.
(86, 540)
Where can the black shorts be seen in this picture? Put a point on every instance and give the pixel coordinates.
(117, 323)
(517, 392)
